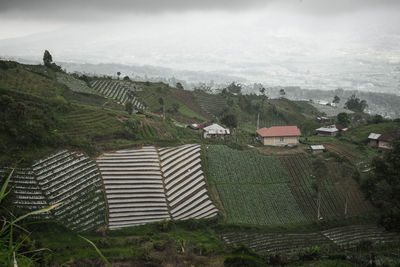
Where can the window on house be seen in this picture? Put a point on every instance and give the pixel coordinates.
(281, 139)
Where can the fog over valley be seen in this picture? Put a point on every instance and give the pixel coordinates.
(278, 43)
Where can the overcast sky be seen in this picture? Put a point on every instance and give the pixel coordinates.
(230, 36)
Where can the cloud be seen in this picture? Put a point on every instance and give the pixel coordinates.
(104, 9)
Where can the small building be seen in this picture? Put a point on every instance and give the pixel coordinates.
(316, 149)
(330, 130)
(215, 131)
(373, 139)
(385, 140)
(279, 135)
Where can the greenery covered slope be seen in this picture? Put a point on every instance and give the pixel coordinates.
(39, 115)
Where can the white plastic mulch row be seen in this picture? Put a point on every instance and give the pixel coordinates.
(64, 177)
(148, 184)
(134, 188)
(185, 184)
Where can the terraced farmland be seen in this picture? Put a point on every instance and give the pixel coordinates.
(335, 190)
(65, 177)
(268, 190)
(148, 184)
(184, 182)
(121, 91)
(74, 84)
(91, 122)
(253, 188)
(213, 104)
(344, 237)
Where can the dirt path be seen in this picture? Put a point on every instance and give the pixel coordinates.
(339, 150)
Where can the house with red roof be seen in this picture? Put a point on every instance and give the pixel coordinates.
(279, 135)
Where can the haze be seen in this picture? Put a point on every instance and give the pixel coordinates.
(309, 43)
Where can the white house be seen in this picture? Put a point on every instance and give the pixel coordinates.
(215, 131)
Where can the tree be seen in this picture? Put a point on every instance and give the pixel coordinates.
(343, 119)
(282, 93)
(229, 120)
(336, 99)
(319, 170)
(118, 73)
(263, 96)
(129, 107)
(126, 78)
(234, 88)
(47, 58)
(382, 186)
(355, 104)
(179, 85)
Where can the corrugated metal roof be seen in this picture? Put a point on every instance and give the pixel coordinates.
(279, 131)
(374, 136)
(330, 129)
(317, 147)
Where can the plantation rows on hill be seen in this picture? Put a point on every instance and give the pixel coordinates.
(253, 188)
(335, 190)
(64, 177)
(344, 237)
(121, 91)
(268, 190)
(148, 184)
(73, 83)
(213, 104)
(90, 122)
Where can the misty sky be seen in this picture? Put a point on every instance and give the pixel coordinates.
(261, 40)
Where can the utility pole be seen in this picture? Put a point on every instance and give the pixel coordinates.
(258, 121)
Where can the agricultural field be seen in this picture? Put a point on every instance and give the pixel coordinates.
(64, 177)
(344, 237)
(87, 121)
(74, 84)
(148, 185)
(253, 189)
(272, 190)
(121, 91)
(189, 99)
(211, 103)
(337, 190)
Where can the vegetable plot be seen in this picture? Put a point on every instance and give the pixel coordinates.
(121, 91)
(65, 177)
(344, 237)
(74, 84)
(253, 188)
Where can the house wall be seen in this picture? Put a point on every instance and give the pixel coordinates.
(326, 133)
(276, 141)
(373, 143)
(207, 135)
(384, 144)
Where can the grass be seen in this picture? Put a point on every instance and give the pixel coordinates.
(136, 245)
